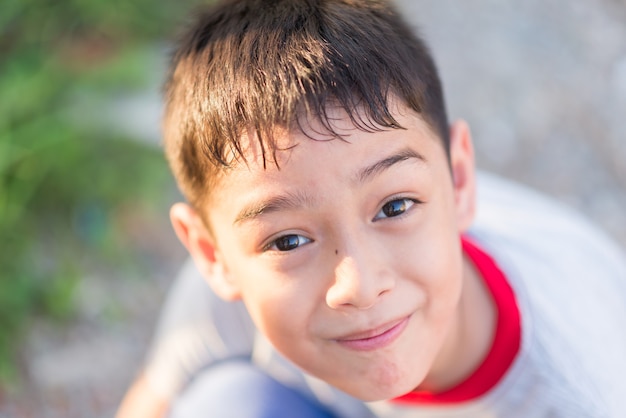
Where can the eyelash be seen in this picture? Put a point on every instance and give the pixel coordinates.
(412, 203)
(273, 245)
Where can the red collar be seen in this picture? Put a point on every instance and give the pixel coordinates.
(506, 342)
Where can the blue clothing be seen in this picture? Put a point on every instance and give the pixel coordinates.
(238, 389)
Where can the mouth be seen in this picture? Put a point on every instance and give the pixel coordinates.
(375, 338)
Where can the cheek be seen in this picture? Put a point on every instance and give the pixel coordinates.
(445, 289)
(435, 263)
(279, 309)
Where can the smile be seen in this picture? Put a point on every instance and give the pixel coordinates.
(376, 338)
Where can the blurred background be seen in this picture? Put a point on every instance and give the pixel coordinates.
(86, 250)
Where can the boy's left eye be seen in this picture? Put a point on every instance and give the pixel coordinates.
(288, 242)
(394, 208)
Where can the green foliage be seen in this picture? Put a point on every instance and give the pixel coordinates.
(61, 180)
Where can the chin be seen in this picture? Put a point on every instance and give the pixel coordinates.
(379, 392)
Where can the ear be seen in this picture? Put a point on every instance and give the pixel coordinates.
(463, 173)
(195, 236)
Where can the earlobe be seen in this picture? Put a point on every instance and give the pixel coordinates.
(194, 235)
(463, 173)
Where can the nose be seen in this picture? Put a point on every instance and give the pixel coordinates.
(361, 278)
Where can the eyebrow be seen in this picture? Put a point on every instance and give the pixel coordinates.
(302, 199)
(379, 166)
(273, 204)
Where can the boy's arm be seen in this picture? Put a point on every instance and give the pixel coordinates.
(195, 329)
(141, 401)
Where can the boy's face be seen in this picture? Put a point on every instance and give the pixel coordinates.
(348, 256)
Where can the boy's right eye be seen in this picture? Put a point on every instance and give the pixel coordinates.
(288, 242)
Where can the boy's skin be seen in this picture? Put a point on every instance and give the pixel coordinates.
(375, 297)
(356, 273)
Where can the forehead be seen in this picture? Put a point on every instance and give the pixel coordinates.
(312, 145)
(337, 124)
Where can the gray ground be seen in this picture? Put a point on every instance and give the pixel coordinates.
(543, 85)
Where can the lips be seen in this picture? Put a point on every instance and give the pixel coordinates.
(375, 338)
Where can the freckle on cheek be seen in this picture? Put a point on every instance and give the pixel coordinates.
(336, 252)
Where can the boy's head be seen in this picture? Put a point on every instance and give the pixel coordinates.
(255, 65)
(311, 139)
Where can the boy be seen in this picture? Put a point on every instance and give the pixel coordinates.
(328, 194)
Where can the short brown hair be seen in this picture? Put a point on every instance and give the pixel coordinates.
(261, 64)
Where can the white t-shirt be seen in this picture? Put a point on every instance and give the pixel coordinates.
(569, 280)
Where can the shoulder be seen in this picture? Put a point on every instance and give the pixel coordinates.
(553, 257)
(513, 214)
(570, 282)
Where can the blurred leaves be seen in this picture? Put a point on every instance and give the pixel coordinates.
(61, 180)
